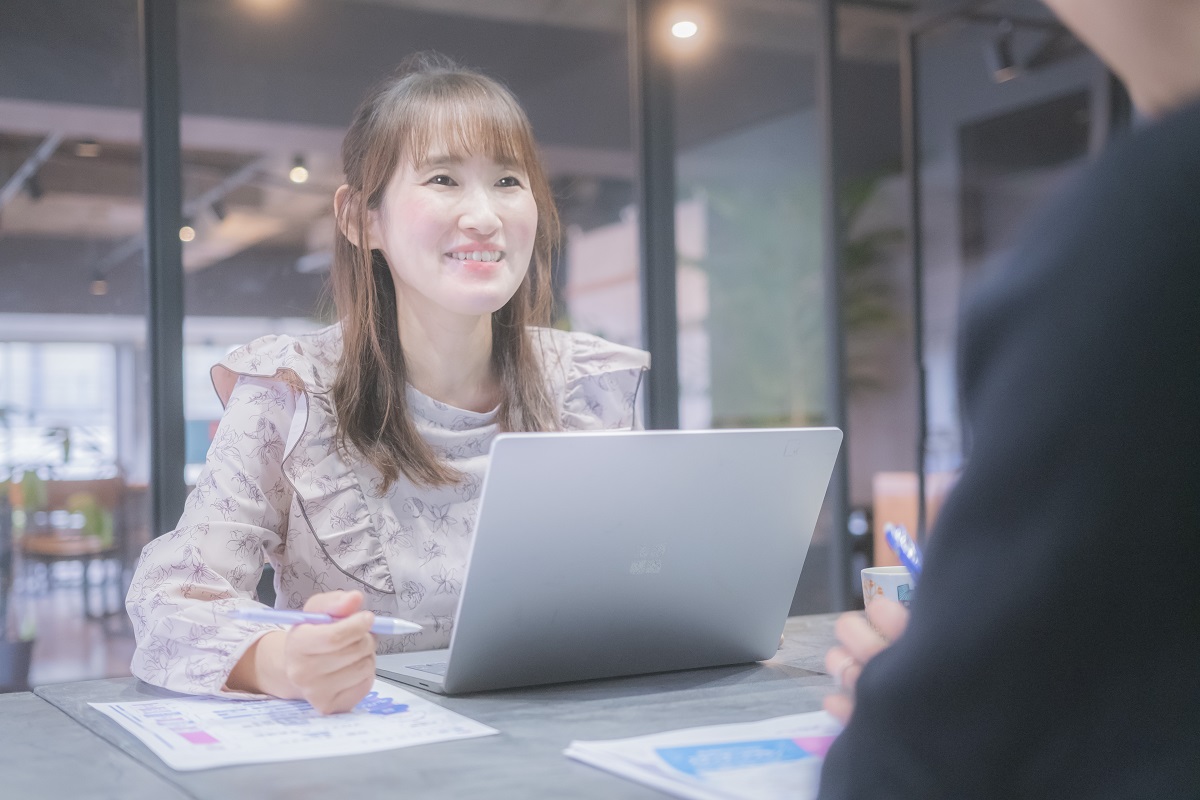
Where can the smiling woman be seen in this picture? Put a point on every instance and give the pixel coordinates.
(438, 160)
(352, 458)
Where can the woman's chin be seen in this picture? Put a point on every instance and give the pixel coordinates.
(479, 303)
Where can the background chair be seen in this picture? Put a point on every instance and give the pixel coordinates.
(53, 536)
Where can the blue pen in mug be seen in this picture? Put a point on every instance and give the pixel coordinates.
(905, 549)
(894, 583)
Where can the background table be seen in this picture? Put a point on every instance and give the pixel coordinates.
(54, 745)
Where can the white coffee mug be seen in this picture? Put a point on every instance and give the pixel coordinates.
(894, 583)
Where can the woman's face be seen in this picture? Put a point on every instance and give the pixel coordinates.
(457, 233)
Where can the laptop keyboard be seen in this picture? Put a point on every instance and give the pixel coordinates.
(434, 669)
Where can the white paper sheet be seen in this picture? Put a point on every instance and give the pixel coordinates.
(201, 732)
(774, 758)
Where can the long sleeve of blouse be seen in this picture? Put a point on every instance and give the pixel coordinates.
(189, 579)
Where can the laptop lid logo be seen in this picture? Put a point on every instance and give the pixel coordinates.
(648, 560)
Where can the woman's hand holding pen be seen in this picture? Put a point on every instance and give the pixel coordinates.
(860, 639)
(331, 666)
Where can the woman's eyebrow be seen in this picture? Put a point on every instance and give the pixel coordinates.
(438, 160)
(441, 160)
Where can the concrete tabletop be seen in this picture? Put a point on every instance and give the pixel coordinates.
(85, 754)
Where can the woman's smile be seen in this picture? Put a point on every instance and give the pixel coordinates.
(479, 260)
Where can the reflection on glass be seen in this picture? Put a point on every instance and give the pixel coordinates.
(992, 153)
(749, 223)
(749, 227)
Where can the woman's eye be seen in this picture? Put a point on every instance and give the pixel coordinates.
(442, 180)
(509, 182)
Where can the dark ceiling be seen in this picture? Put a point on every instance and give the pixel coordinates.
(311, 66)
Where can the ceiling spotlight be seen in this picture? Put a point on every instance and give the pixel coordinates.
(87, 148)
(33, 187)
(187, 233)
(299, 172)
(267, 7)
(999, 55)
(684, 29)
(218, 210)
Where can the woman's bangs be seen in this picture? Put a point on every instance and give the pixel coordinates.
(468, 124)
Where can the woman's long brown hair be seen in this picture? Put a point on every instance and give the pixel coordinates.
(430, 100)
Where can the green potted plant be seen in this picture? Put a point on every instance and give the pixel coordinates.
(17, 630)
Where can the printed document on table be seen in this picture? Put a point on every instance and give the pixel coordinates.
(201, 732)
(775, 758)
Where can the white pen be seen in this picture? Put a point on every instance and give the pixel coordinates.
(384, 626)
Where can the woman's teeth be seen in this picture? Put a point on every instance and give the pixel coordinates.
(478, 255)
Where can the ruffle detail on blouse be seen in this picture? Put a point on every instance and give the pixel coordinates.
(335, 506)
(329, 490)
(598, 381)
(307, 362)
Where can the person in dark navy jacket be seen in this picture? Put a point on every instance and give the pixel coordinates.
(1053, 648)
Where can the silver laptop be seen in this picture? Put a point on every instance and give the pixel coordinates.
(603, 554)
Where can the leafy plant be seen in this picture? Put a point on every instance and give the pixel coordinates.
(868, 300)
(97, 520)
(766, 293)
(33, 492)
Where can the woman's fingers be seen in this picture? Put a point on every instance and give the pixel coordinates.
(888, 617)
(308, 663)
(328, 664)
(843, 666)
(857, 637)
(860, 638)
(350, 696)
(327, 691)
(840, 706)
(336, 604)
(336, 636)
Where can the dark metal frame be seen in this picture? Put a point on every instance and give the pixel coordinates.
(910, 124)
(837, 497)
(652, 99)
(158, 26)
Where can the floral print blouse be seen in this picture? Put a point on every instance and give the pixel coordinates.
(276, 489)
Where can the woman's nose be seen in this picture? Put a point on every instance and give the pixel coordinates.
(479, 212)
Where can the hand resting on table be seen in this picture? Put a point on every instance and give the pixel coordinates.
(860, 638)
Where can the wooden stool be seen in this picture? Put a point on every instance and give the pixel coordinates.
(55, 546)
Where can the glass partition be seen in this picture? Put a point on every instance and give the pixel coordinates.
(749, 221)
(73, 422)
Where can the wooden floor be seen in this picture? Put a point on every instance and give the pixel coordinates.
(70, 646)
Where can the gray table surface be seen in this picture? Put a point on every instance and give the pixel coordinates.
(53, 745)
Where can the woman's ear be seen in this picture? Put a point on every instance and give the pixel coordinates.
(345, 211)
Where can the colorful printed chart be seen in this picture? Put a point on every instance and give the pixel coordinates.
(201, 732)
(775, 758)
